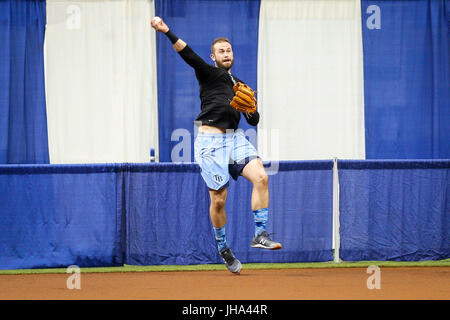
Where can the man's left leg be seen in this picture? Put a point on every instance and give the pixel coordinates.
(254, 171)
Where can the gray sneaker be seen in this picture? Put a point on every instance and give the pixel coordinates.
(263, 241)
(233, 264)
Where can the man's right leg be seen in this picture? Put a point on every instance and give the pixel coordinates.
(219, 219)
(212, 156)
(219, 216)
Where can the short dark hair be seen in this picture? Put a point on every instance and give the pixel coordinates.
(217, 40)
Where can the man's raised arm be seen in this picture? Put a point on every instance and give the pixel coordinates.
(181, 47)
(158, 24)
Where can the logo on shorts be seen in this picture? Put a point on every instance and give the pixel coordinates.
(218, 178)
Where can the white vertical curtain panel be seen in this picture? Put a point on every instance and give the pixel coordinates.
(100, 69)
(310, 80)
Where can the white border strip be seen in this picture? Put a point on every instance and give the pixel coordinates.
(336, 237)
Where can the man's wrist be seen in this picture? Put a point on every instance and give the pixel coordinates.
(172, 37)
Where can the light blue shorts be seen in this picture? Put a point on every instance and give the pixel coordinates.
(222, 155)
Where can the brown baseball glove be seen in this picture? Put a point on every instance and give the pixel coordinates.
(244, 99)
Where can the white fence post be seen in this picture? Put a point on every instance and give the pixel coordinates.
(336, 238)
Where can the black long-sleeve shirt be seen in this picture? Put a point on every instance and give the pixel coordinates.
(216, 92)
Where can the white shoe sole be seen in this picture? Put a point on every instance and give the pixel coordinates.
(275, 247)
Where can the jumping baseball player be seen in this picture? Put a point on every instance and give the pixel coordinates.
(220, 150)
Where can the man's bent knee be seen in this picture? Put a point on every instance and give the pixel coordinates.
(261, 179)
(218, 199)
(218, 204)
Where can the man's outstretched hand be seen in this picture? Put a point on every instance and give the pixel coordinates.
(158, 24)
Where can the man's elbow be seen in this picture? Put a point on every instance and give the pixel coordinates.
(253, 119)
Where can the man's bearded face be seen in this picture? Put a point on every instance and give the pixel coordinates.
(223, 55)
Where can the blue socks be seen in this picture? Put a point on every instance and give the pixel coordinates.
(220, 238)
(261, 216)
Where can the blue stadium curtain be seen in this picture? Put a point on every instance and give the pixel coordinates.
(59, 215)
(394, 210)
(406, 77)
(23, 124)
(198, 23)
(168, 215)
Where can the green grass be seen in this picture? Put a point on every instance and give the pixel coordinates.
(248, 266)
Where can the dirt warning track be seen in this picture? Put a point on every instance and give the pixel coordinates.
(428, 283)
